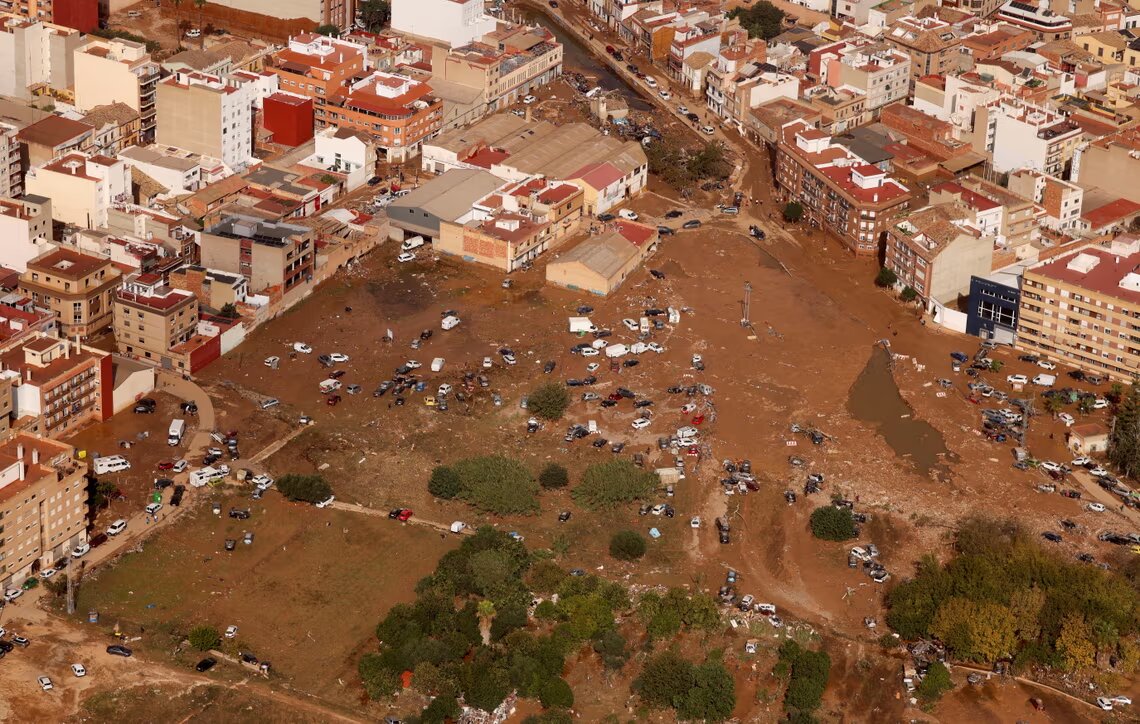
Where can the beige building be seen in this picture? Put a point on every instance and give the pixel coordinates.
(600, 264)
(1111, 163)
(25, 228)
(11, 163)
(83, 189)
(936, 251)
(203, 114)
(117, 71)
(1083, 309)
(151, 318)
(43, 505)
(116, 126)
(272, 255)
(78, 288)
(932, 45)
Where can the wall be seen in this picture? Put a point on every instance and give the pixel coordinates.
(291, 124)
(135, 385)
(100, 81)
(993, 296)
(956, 264)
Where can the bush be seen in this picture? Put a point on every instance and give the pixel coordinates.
(553, 476)
(555, 693)
(793, 212)
(809, 673)
(607, 484)
(497, 485)
(697, 692)
(440, 710)
(886, 278)
(307, 488)
(549, 401)
(908, 294)
(627, 545)
(762, 20)
(444, 483)
(831, 523)
(204, 638)
(936, 682)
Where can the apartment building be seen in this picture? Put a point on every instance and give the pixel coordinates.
(36, 56)
(43, 505)
(936, 251)
(49, 138)
(733, 89)
(61, 386)
(1060, 201)
(11, 162)
(1039, 19)
(115, 126)
(954, 98)
(993, 43)
(1083, 309)
(931, 44)
(398, 112)
(877, 71)
(1019, 216)
(1111, 162)
(110, 71)
(839, 191)
(25, 227)
(693, 32)
(82, 188)
(453, 22)
(318, 67)
(524, 60)
(78, 288)
(151, 318)
(205, 114)
(1018, 134)
(271, 255)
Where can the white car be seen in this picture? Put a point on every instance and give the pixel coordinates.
(1098, 472)
(12, 594)
(510, 359)
(599, 344)
(272, 361)
(529, 99)
(327, 502)
(683, 110)
(768, 609)
(1122, 700)
(1104, 703)
(1096, 507)
(134, 14)
(590, 352)
(1066, 418)
(47, 572)
(1100, 403)
(231, 632)
(592, 367)
(117, 527)
(487, 363)
(1017, 380)
(193, 33)
(80, 550)
(338, 357)
(1080, 462)
(153, 508)
(180, 466)
(708, 130)
(695, 522)
(1050, 466)
(1046, 364)
(406, 257)
(628, 214)
(413, 364)
(651, 82)
(654, 347)
(78, 670)
(640, 423)
(444, 390)
(665, 95)
(630, 324)
(302, 348)
(263, 481)
(45, 684)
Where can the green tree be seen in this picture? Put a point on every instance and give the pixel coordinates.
(936, 682)
(1075, 643)
(549, 401)
(307, 488)
(762, 20)
(555, 693)
(443, 483)
(229, 310)
(908, 294)
(486, 609)
(978, 631)
(497, 484)
(605, 485)
(553, 476)
(379, 681)
(1085, 406)
(1124, 439)
(441, 709)
(1115, 393)
(627, 545)
(611, 647)
(1053, 404)
(709, 162)
(375, 14)
(712, 696)
(831, 523)
(665, 680)
(330, 30)
(1025, 606)
(793, 212)
(996, 365)
(809, 671)
(204, 638)
(886, 278)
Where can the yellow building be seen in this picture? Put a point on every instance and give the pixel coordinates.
(77, 288)
(600, 264)
(117, 71)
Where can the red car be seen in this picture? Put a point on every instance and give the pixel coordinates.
(404, 515)
(698, 419)
(334, 399)
(614, 396)
(166, 465)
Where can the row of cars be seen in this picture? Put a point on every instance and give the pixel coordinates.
(727, 594)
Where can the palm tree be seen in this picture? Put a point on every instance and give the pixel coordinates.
(486, 612)
(202, 36)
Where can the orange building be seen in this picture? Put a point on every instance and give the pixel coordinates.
(318, 67)
(398, 112)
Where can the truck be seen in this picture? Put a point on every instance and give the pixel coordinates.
(638, 348)
(413, 243)
(174, 434)
(449, 322)
(581, 325)
(643, 325)
(328, 386)
(1045, 380)
(200, 478)
(617, 350)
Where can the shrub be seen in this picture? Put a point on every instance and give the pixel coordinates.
(908, 294)
(886, 278)
(553, 476)
(555, 693)
(204, 638)
(809, 673)
(793, 212)
(497, 485)
(936, 682)
(831, 523)
(627, 545)
(607, 484)
(308, 488)
(549, 401)
(444, 483)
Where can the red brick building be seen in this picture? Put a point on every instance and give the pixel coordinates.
(83, 15)
(289, 117)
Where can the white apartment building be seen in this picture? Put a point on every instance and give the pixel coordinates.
(35, 55)
(343, 150)
(955, 98)
(82, 188)
(110, 71)
(1019, 134)
(204, 114)
(455, 22)
(178, 174)
(11, 166)
(25, 228)
(877, 71)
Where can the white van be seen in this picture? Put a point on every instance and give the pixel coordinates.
(328, 386)
(1045, 380)
(174, 434)
(437, 364)
(110, 464)
(628, 214)
(413, 243)
(449, 322)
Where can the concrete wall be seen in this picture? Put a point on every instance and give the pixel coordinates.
(134, 386)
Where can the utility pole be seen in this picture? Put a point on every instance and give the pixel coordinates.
(70, 589)
(746, 320)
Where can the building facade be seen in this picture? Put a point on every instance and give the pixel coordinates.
(271, 255)
(204, 114)
(77, 288)
(110, 71)
(398, 112)
(82, 188)
(152, 318)
(61, 386)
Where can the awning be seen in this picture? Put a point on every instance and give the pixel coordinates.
(963, 162)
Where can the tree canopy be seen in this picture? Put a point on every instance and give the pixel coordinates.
(444, 482)
(627, 545)
(793, 211)
(496, 484)
(703, 692)
(308, 488)
(831, 523)
(375, 14)
(809, 671)
(1124, 439)
(762, 20)
(549, 401)
(607, 484)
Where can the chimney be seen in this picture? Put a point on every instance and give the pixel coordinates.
(27, 374)
(35, 456)
(20, 450)
(876, 197)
